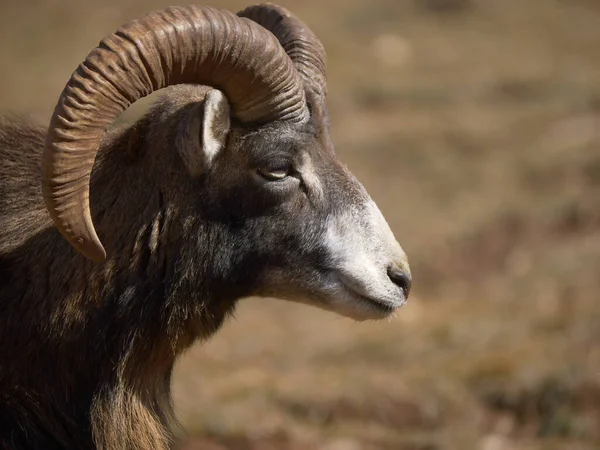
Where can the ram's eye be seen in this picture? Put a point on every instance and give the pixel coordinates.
(274, 174)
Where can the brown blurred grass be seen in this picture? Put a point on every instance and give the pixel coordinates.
(475, 126)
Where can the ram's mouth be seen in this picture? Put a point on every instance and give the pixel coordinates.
(336, 292)
(381, 307)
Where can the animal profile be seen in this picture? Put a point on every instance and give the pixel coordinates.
(121, 247)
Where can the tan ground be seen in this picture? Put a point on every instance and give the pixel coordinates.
(475, 124)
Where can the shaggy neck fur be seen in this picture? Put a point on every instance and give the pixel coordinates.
(89, 365)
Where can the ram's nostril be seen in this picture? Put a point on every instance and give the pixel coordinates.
(400, 279)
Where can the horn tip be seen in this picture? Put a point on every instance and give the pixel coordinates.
(90, 248)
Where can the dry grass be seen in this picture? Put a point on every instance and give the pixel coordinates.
(475, 124)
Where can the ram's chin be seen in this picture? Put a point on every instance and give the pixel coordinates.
(338, 298)
(361, 309)
(360, 313)
(356, 308)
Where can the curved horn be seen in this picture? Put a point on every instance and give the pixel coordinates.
(299, 42)
(193, 44)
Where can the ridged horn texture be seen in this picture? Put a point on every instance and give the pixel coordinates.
(299, 42)
(193, 44)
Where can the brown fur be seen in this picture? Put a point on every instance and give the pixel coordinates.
(80, 368)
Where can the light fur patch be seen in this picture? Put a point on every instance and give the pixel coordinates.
(309, 175)
(216, 124)
(362, 248)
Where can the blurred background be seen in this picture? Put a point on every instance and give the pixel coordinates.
(475, 125)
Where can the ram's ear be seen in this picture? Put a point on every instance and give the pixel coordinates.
(206, 133)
